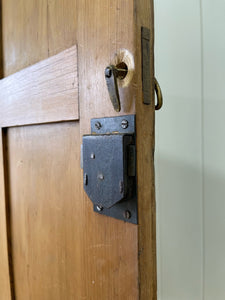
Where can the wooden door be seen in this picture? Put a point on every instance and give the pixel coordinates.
(52, 244)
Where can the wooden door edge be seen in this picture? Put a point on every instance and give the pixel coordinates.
(145, 118)
(8, 290)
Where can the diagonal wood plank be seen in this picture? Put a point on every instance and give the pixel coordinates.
(42, 93)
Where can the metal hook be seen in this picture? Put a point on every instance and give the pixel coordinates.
(159, 95)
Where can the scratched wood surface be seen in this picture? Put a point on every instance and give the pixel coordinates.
(44, 92)
(60, 248)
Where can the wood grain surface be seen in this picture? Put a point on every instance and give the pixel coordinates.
(145, 115)
(60, 248)
(5, 287)
(103, 28)
(44, 92)
(108, 32)
(47, 228)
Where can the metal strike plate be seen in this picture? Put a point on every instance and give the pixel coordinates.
(109, 167)
(146, 76)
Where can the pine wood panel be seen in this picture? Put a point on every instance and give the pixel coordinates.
(103, 28)
(106, 28)
(46, 212)
(34, 30)
(44, 92)
(25, 33)
(62, 25)
(117, 260)
(54, 247)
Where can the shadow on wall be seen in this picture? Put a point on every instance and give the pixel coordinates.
(184, 244)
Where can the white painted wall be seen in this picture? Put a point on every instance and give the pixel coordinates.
(190, 149)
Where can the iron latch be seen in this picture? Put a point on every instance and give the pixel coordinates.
(109, 167)
(112, 74)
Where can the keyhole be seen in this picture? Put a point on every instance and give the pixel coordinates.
(122, 70)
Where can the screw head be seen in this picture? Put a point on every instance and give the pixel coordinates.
(100, 176)
(108, 72)
(127, 214)
(99, 208)
(92, 156)
(124, 124)
(98, 125)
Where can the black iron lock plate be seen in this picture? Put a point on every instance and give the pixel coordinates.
(109, 167)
